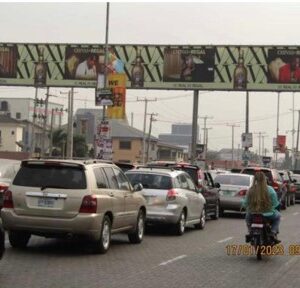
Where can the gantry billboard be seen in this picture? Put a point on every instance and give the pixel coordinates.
(203, 67)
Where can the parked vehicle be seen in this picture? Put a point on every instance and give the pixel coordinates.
(205, 183)
(70, 198)
(233, 189)
(290, 187)
(172, 197)
(2, 240)
(296, 178)
(8, 170)
(260, 236)
(274, 179)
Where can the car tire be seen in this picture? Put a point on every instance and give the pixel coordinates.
(102, 245)
(18, 239)
(293, 199)
(202, 222)
(180, 225)
(221, 212)
(216, 215)
(137, 236)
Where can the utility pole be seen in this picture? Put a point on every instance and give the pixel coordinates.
(263, 144)
(51, 132)
(293, 131)
(33, 140)
(297, 143)
(205, 133)
(131, 119)
(194, 125)
(45, 124)
(246, 129)
(149, 135)
(277, 129)
(232, 141)
(144, 129)
(260, 136)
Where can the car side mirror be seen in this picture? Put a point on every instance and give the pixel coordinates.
(294, 181)
(217, 185)
(137, 187)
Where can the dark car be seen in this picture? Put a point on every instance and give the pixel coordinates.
(2, 240)
(205, 183)
(290, 187)
(274, 180)
(296, 178)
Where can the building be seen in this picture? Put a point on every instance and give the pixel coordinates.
(169, 152)
(181, 135)
(11, 134)
(226, 154)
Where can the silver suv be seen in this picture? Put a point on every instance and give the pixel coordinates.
(171, 196)
(66, 198)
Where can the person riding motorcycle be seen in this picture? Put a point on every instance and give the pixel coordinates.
(262, 198)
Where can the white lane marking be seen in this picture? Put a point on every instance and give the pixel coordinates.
(291, 261)
(225, 240)
(296, 213)
(172, 260)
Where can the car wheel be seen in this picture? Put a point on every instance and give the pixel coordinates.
(217, 211)
(202, 222)
(180, 225)
(138, 235)
(102, 245)
(18, 239)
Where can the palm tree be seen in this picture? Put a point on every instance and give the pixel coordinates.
(59, 140)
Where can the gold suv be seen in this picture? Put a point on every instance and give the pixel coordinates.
(66, 198)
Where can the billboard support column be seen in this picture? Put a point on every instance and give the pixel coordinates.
(297, 143)
(45, 123)
(277, 127)
(247, 124)
(32, 150)
(194, 125)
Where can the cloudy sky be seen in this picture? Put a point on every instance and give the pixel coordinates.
(169, 23)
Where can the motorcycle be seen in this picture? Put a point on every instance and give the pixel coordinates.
(261, 237)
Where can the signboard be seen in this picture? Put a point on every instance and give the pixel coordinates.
(247, 140)
(104, 97)
(266, 160)
(103, 141)
(182, 67)
(200, 148)
(281, 143)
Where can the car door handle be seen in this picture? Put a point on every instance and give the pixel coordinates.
(111, 194)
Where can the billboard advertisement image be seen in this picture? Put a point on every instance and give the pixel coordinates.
(8, 61)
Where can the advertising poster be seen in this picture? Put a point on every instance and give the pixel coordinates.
(284, 66)
(281, 143)
(104, 97)
(189, 65)
(8, 61)
(247, 140)
(118, 84)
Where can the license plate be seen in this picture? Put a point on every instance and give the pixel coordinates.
(228, 193)
(46, 202)
(256, 225)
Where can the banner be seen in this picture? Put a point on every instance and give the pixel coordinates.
(118, 83)
(281, 143)
(181, 67)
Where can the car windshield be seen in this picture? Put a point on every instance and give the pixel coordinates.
(192, 172)
(150, 181)
(51, 176)
(267, 173)
(233, 180)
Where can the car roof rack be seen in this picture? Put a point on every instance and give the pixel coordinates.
(156, 167)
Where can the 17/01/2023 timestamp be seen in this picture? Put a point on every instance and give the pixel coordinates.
(248, 250)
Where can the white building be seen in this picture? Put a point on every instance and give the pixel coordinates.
(11, 133)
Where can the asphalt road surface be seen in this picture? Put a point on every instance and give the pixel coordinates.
(197, 259)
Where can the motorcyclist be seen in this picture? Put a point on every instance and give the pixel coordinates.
(262, 198)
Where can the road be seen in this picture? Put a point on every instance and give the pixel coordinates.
(196, 259)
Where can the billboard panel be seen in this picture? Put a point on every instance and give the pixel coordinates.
(182, 67)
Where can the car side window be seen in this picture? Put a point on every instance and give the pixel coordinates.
(100, 178)
(111, 177)
(183, 182)
(122, 180)
(177, 182)
(190, 184)
(208, 179)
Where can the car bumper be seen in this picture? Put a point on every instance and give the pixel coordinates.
(81, 225)
(231, 203)
(167, 214)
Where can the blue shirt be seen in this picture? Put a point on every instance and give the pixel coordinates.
(274, 201)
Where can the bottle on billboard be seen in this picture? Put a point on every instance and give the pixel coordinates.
(240, 73)
(137, 72)
(40, 70)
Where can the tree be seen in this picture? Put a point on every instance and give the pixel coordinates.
(80, 149)
(59, 141)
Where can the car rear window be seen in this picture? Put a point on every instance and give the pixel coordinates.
(150, 181)
(233, 180)
(267, 173)
(51, 176)
(192, 172)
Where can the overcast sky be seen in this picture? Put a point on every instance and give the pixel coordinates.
(169, 23)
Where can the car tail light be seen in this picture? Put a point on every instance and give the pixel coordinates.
(257, 219)
(7, 199)
(89, 204)
(275, 185)
(293, 189)
(171, 195)
(242, 193)
(3, 188)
